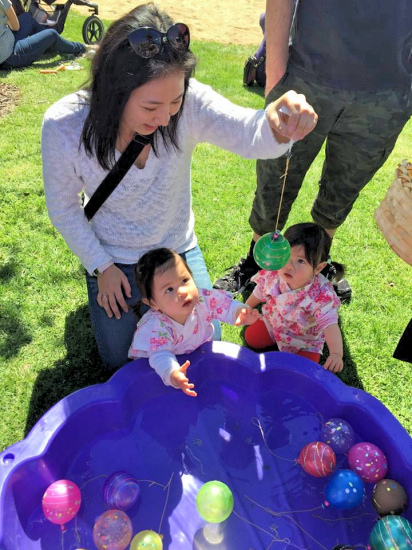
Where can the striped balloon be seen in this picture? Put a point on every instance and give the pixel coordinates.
(391, 532)
(317, 459)
(272, 251)
(61, 501)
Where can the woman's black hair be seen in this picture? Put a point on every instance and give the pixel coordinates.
(316, 243)
(153, 263)
(117, 70)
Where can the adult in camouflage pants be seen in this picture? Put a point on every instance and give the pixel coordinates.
(353, 62)
(360, 129)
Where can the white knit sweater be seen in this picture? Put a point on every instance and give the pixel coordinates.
(150, 207)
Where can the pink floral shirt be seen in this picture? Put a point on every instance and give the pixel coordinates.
(297, 318)
(156, 331)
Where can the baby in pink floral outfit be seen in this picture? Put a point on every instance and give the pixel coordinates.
(300, 308)
(180, 315)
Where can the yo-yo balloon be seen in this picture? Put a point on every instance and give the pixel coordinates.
(121, 490)
(389, 497)
(147, 540)
(61, 501)
(112, 531)
(317, 459)
(214, 501)
(345, 490)
(339, 434)
(272, 251)
(368, 461)
(391, 532)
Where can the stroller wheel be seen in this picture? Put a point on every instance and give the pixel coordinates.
(93, 29)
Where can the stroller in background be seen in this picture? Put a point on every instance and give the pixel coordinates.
(44, 13)
(255, 65)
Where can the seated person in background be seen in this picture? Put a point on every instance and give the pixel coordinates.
(23, 40)
(180, 315)
(300, 308)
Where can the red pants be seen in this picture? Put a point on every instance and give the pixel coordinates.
(257, 337)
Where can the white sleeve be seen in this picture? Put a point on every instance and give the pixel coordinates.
(164, 363)
(62, 186)
(214, 119)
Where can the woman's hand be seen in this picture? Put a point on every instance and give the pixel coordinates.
(178, 379)
(298, 123)
(113, 285)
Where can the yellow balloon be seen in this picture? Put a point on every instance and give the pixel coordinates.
(147, 540)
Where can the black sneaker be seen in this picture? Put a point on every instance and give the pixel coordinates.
(343, 290)
(340, 285)
(237, 278)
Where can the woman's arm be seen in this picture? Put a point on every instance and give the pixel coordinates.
(12, 20)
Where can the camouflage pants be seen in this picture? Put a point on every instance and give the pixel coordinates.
(360, 129)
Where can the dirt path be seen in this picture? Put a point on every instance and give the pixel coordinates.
(225, 21)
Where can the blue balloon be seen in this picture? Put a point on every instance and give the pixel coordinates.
(345, 490)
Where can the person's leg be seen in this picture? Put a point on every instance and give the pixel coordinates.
(28, 50)
(194, 259)
(113, 336)
(328, 104)
(28, 26)
(357, 146)
(310, 355)
(257, 336)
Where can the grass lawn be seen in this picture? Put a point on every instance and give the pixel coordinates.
(46, 345)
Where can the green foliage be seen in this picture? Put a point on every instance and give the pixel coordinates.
(46, 343)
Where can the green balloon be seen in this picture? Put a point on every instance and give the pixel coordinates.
(391, 532)
(146, 540)
(214, 501)
(272, 251)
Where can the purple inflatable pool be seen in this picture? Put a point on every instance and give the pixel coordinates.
(252, 416)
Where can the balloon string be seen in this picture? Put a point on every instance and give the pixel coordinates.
(283, 185)
(285, 514)
(334, 520)
(168, 485)
(257, 423)
(286, 541)
(273, 513)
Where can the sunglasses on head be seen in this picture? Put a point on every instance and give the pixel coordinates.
(148, 42)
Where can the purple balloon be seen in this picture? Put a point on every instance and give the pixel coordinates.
(368, 461)
(338, 434)
(121, 490)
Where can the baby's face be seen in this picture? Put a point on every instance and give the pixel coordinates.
(174, 292)
(298, 272)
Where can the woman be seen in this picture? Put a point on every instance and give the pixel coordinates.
(23, 40)
(141, 84)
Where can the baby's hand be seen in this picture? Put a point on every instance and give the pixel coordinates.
(178, 379)
(334, 363)
(247, 316)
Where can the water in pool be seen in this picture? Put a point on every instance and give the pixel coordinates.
(174, 444)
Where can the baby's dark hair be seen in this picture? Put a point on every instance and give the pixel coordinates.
(152, 263)
(316, 243)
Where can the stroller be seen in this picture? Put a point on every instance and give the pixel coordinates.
(255, 66)
(55, 17)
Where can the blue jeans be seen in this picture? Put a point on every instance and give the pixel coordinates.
(32, 40)
(114, 336)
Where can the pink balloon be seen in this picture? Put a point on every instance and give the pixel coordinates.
(317, 459)
(61, 501)
(113, 530)
(368, 461)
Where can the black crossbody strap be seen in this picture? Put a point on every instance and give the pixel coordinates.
(116, 174)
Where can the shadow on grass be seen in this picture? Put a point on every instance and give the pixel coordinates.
(13, 333)
(81, 367)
